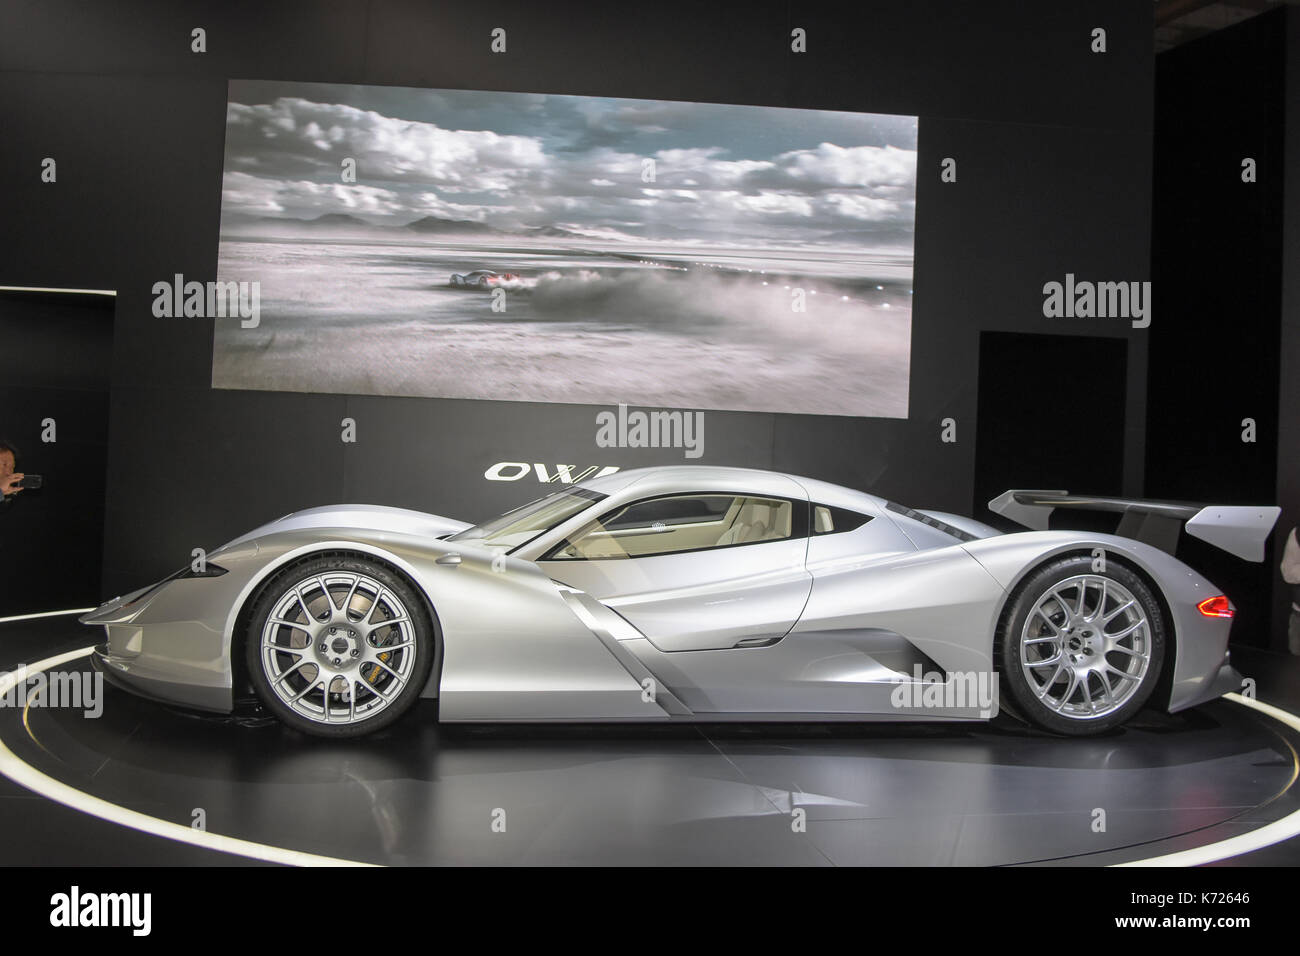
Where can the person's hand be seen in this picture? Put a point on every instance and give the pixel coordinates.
(9, 484)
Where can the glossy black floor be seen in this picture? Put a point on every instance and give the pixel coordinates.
(423, 794)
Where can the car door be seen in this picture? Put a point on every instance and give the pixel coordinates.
(696, 571)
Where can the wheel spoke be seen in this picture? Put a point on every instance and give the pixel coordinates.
(1118, 611)
(1043, 614)
(380, 692)
(374, 606)
(384, 667)
(1110, 668)
(1101, 603)
(347, 601)
(1069, 691)
(296, 625)
(386, 648)
(302, 602)
(1130, 651)
(1085, 685)
(1106, 689)
(384, 624)
(1042, 692)
(285, 674)
(306, 690)
(1136, 625)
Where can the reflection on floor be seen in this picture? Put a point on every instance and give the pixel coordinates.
(858, 795)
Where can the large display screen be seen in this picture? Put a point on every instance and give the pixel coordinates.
(542, 248)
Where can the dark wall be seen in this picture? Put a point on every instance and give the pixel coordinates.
(1052, 143)
(54, 360)
(1217, 265)
(1288, 433)
(1047, 406)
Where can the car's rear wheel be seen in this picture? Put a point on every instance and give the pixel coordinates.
(1080, 649)
(339, 645)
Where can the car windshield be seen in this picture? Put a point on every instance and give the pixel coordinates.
(516, 528)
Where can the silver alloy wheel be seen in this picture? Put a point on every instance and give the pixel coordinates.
(1085, 647)
(338, 647)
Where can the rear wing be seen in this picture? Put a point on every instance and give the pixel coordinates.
(1240, 530)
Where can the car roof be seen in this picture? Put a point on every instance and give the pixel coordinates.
(671, 479)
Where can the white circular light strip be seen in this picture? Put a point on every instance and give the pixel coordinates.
(1267, 835)
(32, 617)
(28, 776)
(36, 288)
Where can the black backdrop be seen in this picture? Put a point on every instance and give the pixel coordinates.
(55, 353)
(1045, 406)
(1052, 141)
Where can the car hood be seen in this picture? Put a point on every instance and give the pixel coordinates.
(367, 517)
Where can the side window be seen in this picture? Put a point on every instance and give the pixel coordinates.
(679, 523)
(828, 520)
(670, 511)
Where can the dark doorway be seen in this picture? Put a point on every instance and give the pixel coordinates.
(55, 362)
(1218, 257)
(1051, 415)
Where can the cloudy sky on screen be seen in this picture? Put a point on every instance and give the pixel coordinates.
(524, 160)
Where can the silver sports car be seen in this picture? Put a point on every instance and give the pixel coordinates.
(693, 593)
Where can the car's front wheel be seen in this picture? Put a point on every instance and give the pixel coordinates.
(339, 645)
(1080, 649)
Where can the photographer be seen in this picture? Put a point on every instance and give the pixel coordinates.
(9, 478)
(1291, 575)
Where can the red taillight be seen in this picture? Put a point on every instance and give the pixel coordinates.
(1216, 606)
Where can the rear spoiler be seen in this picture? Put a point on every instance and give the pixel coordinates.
(1240, 530)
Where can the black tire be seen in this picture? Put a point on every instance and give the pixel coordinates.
(1078, 646)
(331, 569)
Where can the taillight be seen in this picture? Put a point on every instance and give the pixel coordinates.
(1216, 606)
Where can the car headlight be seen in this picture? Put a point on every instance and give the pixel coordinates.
(209, 571)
